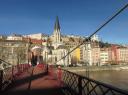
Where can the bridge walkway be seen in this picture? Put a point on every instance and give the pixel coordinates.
(35, 81)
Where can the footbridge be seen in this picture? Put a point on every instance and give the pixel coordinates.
(46, 79)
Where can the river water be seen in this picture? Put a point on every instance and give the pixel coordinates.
(115, 78)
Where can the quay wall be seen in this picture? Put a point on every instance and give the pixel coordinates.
(96, 68)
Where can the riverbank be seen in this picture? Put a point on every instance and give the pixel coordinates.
(97, 68)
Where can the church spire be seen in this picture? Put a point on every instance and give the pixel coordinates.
(56, 33)
(57, 25)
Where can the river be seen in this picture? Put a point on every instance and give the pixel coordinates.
(113, 77)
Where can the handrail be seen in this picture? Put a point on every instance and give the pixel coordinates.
(5, 62)
(5, 65)
(72, 79)
(7, 75)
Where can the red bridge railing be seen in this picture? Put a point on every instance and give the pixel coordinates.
(72, 84)
(12, 72)
(8, 74)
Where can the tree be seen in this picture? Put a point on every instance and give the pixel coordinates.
(102, 44)
(20, 53)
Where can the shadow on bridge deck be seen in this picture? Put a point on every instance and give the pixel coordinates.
(34, 82)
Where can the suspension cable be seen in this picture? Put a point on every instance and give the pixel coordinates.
(88, 38)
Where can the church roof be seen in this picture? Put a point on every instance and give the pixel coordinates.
(57, 25)
(61, 47)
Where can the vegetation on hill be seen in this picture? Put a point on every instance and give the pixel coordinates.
(104, 44)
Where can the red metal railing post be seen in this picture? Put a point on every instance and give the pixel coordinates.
(59, 74)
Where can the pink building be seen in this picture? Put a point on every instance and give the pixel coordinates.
(122, 53)
(119, 54)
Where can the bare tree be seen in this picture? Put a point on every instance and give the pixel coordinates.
(20, 53)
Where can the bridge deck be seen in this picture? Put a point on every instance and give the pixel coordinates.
(35, 82)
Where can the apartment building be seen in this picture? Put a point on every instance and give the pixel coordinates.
(15, 37)
(96, 56)
(104, 56)
(90, 52)
(122, 55)
(13, 51)
(38, 36)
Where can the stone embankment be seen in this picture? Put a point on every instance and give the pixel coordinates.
(97, 68)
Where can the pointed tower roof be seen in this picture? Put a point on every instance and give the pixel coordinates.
(57, 25)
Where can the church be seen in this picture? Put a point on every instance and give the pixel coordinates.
(57, 51)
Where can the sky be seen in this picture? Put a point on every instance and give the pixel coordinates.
(77, 17)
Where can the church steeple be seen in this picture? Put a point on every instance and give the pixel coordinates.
(56, 33)
(57, 25)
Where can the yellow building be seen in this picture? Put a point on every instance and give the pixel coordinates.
(76, 54)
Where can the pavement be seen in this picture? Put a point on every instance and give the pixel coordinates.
(35, 81)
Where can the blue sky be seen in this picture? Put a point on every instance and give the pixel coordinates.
(78, 17)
